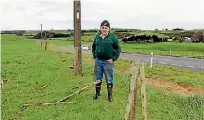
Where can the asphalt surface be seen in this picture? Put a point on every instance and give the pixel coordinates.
(181, 62)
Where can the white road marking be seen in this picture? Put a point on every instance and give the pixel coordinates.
(180, 65)
(175, 64)
(165, 59)
(191, 66)
(162, 63)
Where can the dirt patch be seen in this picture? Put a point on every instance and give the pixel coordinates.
(174, 87)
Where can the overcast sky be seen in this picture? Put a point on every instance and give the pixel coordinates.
(138, 14)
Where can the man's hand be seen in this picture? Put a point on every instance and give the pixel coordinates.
(110, 61)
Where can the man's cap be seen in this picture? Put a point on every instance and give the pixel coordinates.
(105, 23)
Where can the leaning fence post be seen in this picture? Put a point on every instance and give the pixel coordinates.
(41, 39)
(130, 113)
(46, 44)
(143, 93)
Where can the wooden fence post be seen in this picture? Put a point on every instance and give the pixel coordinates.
(46, 44)
(46, 41)
(143, 93)
(41, 38)
(130, 113)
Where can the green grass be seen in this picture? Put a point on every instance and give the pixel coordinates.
(61, 42)
(166, 48)
(37, 31)
(27, 67)
(85, 40)
(150, 33)
(184, 77)
(163, 105)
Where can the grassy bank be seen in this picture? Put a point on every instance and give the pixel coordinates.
(27, 67)
(166, 48)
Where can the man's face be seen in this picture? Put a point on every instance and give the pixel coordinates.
(104, 30)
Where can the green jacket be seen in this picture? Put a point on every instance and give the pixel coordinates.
(106, 48)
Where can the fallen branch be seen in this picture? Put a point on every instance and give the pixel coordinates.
(62, 100)
(44, 86)
(44, 104)
(77, 92)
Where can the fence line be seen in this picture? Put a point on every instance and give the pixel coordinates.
(136, 73)
(130, 113)
(143, 92)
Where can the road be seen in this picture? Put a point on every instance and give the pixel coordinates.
(181, 62)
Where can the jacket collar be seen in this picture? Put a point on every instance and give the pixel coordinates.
(100, 34)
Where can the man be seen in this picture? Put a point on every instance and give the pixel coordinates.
(106, 50)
